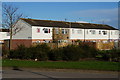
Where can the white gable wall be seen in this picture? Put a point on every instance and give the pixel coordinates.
(3, 36)
(41, 34)
(25, 32)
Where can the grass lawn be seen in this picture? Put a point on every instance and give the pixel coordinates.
(89, 65)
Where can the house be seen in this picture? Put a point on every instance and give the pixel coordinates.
(47, 31)
(4, 34)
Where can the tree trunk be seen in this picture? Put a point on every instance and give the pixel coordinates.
(10, 38)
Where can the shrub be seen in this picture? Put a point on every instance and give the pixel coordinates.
(71, 53)
(109, 55)
(19, 52)
(89, 51)
(41, 52)
(56, 54)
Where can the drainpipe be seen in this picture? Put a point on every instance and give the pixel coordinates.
(84, 35)
(109, 36)
(69, 31)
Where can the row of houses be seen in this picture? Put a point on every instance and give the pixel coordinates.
(29, 31)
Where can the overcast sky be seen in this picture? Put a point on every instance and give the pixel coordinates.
(92, 12)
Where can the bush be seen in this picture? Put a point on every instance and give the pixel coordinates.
(89, 51)
(72, 53)
(69, 53)
(109, 55)
(19, 52)
(56, 54)
(39, 52)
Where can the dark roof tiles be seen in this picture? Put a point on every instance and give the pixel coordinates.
(62, 24)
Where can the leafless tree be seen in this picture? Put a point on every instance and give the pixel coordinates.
(10, 17)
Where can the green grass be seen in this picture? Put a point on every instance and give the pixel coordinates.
(89, 65)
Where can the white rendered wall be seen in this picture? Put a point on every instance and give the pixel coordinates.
(75, 34)
(3, 36)
(41, 34)
(88, 35)
(114, 34)
(25, 32)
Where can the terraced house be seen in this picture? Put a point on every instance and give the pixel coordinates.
(47, 31)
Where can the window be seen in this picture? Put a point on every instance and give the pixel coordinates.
(104, 32)
(92, 31)
(79, 31)
(99, 32)
(29, 37)
(116, 33)
(57, 31)
(8, 34)
(46, 30)
(111, 32)
(38, 30)
(64, 31)
(73, 31)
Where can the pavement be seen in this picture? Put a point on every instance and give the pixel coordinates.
(52, 74)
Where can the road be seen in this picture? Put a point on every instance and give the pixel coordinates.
(53, 74)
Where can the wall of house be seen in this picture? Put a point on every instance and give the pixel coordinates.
(24, 33)
(61, 34)
(93, 34)
(3, 36)
(41, 33)
(97, 34)
(76, 33)
(114, 34)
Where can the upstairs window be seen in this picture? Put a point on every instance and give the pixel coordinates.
(38, 30)
(99, 32)
(111, 32)
(104, 32)
(64, 31)
(79, 31)
(57, 31)
(46, 30)
(73, 31)
(116, 33)
(92, 31)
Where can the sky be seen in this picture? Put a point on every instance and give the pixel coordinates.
(90, 12)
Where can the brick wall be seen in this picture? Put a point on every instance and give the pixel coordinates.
(17, 42)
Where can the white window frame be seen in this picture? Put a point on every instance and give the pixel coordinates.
(79, 31)
(104, 32)
(93, 32)
(64, 31)
(57, 31)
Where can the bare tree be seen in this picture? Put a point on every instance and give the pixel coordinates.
(10, 16)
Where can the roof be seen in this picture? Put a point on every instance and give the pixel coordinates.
(63, 24)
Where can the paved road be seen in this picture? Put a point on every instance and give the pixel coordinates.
(52, 74)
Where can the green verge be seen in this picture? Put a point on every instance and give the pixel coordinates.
(84, 65)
